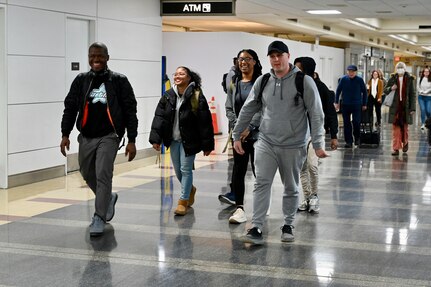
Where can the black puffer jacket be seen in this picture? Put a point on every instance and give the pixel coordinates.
(195, 124)
(121, 104)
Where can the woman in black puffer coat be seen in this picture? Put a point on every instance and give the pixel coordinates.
(183, 123)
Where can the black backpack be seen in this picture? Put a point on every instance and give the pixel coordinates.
(223, 83)
(299, 83)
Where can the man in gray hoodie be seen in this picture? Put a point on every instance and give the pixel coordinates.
(286, 122)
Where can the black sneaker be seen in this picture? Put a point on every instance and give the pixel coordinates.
(228, 198)
(348, 145)
(253, 236)
(287, 233)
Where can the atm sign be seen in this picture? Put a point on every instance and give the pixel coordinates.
(191, 8)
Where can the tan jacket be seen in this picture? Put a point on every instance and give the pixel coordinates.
(379, 89)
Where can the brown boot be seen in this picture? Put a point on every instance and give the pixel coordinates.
(192, 196)
(182, 207)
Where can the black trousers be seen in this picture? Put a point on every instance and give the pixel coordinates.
(239, 170)
(373, 103)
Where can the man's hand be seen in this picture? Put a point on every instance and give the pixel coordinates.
(207, 152)
(394, 87)
(364, 108)
(130, 151)
(334, 144)
(321, 153)
(337, 107)
(65, 144)
(244, 135)
(237, 145)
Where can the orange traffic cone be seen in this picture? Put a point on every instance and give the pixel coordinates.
(214, 116)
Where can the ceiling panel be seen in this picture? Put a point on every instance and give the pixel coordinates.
(271, 16)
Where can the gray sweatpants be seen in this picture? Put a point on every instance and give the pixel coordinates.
(268, 159)
(96, 158)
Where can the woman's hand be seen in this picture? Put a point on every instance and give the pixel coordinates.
(156, 146)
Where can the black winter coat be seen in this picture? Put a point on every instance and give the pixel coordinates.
(331, 119)
(195, 124)
(121, 104)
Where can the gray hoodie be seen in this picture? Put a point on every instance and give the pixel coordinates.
(283, 123)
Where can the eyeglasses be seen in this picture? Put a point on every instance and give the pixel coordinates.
(179, 74)
(247, 59)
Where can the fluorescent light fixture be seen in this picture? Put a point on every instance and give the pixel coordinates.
(426, 48)
(323, 12)
(401, 39)
(360, 24)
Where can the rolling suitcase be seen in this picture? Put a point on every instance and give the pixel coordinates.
(368, 136)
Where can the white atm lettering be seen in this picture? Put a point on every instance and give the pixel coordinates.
(192, 8)
(206, 7)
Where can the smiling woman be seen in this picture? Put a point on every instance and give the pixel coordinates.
(183, 123)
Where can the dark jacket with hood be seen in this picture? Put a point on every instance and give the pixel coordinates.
(121, 104)
(195, 121)
(400, 110)
(331, 120)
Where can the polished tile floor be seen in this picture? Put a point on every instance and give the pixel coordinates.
(374, 227)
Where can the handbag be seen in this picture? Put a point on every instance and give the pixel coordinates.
(389, 99)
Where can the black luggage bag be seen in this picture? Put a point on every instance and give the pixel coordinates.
(368, 136)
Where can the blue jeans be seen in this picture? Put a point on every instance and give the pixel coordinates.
(425, 105)
(183, 166)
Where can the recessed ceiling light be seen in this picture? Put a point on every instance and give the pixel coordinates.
(323, 12)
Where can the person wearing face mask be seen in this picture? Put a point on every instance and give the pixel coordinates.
(403, 107)
(249, 69)
(183, 123)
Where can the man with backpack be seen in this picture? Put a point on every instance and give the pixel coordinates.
(284, 131)
(310, 169)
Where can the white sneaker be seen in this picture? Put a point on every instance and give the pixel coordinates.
(422, 127)
(303, 206)
(238, 216)
(313, 206)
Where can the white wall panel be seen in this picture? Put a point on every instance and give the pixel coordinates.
(35, 32)
(35, 160)
(33, 127)
(83, 7)
(145, 77)
(146, 109)
(138, 11)
(130, 41)
(35, 79)
(142, 142)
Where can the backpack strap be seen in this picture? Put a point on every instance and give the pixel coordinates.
(263, 83)
(299, 83)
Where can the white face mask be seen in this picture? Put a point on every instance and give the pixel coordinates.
(400, 71)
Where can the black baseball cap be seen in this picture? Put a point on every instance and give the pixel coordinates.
(277, 46)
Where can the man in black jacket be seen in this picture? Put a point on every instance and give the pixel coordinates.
(309, 171)
(106, 106)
